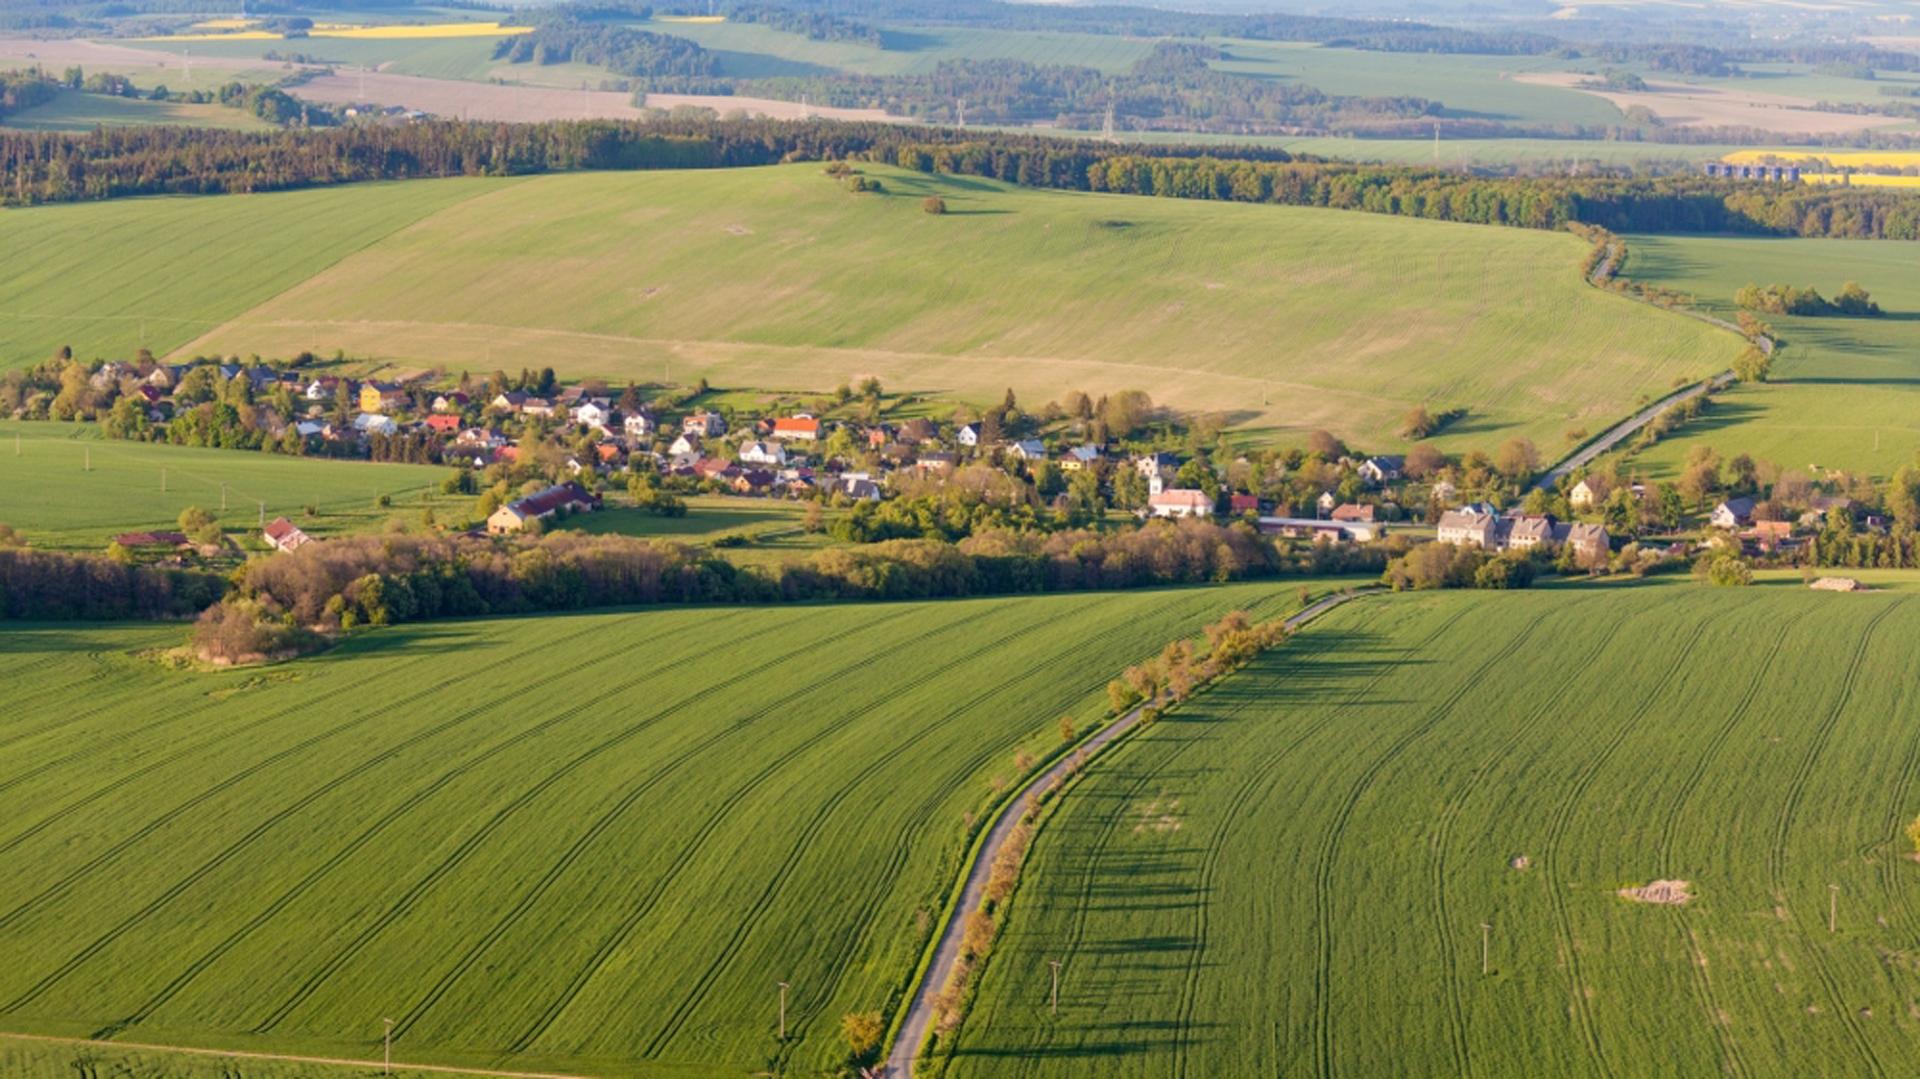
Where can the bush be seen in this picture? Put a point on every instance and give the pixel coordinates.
(934, 204)
(863, 1031)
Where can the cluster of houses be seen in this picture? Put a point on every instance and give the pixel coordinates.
(1735, 516)
(1479, 526)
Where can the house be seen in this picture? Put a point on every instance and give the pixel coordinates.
(1770, 535)
(1733, 513)
(1378, 470)
(1080, 457)
(320, 389)
(1443, 491)
(1467, 528)
(879, 435)
(763, 453)
(1325, 503)
(283, 535)
(968, 434)
(1586, 494)
(1589, 541)
(1352, 512)
(445, 423)
(536, 406)
(704, 424)
(858, 488)
(708, 468)
(751, 481)
(934, 462)
(1158, 468)
(382, 397)
(800, 428)
(639, 424)
(687, 443)
(1028, 449)
(450, 402)
(514, 516)
(594, 414)
(1243, 504)
(1180, 502)
(511, 401)
(369, 423)
(919, 431)
(1524, 533)
(1318, 530)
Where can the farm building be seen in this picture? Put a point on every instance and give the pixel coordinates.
(1180, 502)
(797, 428)
(283, 535)
(514, 516)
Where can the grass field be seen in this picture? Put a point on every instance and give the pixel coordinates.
(1284, 318)
(162, 271)
(1845, 392)
(1290, 875)
(586, 843)
(72, 111)
(54, 498)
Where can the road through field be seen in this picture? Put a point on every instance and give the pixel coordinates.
(913, 1031)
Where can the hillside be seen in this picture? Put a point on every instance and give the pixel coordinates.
(1290, 875)
(585, 843)
(1844, 392)
(1284, 319)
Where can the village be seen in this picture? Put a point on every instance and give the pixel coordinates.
(548, 450)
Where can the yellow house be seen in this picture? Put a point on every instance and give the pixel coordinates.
(381, 396)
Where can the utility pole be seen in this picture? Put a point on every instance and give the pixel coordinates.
(783, 1011)
(263, 516)
(386, 1053)
(1833, 908)
(223, 498)
(1053, 999)
(1485, 929)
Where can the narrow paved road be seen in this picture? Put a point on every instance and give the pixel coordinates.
(920, 1013)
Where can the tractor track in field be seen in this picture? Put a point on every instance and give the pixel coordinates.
(1441, 845)
(283, 1058)
(1783, 828)
(366, 836)
(479, 836)
(1670, 829)
(81, 754)
(1896, 813)
(238, 846)
(605, 821)
(1556, 833)
(1330, 851)
(233, 779)
(765, 900)
(1262, 777)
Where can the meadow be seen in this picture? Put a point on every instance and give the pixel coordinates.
(586, 843)
(63, 486)
(1282, 319)
(78, 112)
(1844, 392)
(1291, 874)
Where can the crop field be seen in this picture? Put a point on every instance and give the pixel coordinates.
(1291, 874)
(1282, 318)
(163, 271)
(586, 843)
(72, 111)
(1858, 179)
(63, 486)
(1845, 392)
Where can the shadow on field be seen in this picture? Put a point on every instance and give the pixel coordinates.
(1721, 414)
(1840, 380)
(18, 641)
(420, 639)
(1120, 1038)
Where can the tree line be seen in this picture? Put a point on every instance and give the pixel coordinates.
(50, 586)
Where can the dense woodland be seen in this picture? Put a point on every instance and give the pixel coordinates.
(50, 586)
(660, 59)
(37, 167)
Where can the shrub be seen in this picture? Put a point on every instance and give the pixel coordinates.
(863, 1031)
(934, 204)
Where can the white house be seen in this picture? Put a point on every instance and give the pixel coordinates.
(684, 445)
(761, 453)
(1158, 468)
(1028, 449)
(639, 425)
(1379, 470)
(1468, 528)
(968, 435)
(1180, 502)
(1584, 494)
(1733, 513)
(594, 414)
(284, 535)
(372, 423)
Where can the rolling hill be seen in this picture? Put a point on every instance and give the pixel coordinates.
(1284, 319)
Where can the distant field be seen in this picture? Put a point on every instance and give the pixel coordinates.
(1285, 318)
(162, 271)
(53, 497)
(574, 843)
(83, 112)
(1290, 875)
(1450, 153)
(1845, 392)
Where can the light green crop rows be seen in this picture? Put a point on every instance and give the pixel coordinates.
(1291, 875)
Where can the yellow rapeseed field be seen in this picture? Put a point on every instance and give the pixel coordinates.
(1859, 179)
(1842, 159)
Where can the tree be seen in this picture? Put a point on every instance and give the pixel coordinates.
(1129, 488)
(1325, 445)
(862, 1031)
(1913, 834)
(934, 204)
(1852, 300)
(1066, 729)
(1417, 423)
(1517, 459)
(1424, 460)
(1752, 365)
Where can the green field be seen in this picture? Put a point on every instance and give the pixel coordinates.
(1283, 318)
(160, 272)
(573, 843)
(1845, 392)
(1289, 876)
(84, 112)
(66, 487)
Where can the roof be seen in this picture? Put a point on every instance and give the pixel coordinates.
(1387, 463)
(1740, 507)
(1244, 502)
(544, 502)
(1468, 519)
(1352, 512)
(796, 425)
(150, 539)
(1173, 497)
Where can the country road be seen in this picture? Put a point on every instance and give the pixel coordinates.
(913, 1031)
